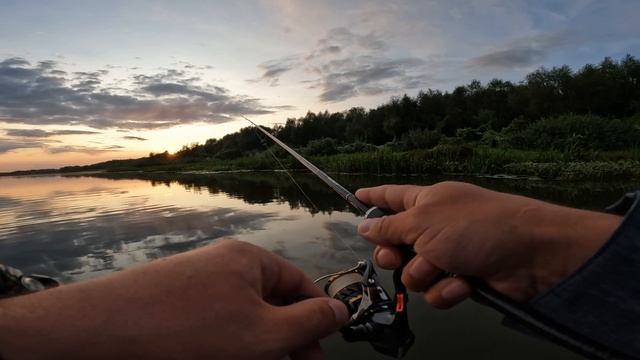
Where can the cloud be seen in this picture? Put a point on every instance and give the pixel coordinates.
(134, 138)
(346, 64)
(338, 39)
(369, 76)
(7, 145)
(82, 149)
(42, 94)
(273, 69)
(74, 132)
(38, 133)
(344, 36)
(15, 61)
(35, 133)
(333, 49)
(520, 52)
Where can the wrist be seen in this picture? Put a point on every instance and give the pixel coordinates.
(14, 318)
(44, 325)
(563, 239)
(24, 331)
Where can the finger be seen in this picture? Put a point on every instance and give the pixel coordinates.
(447, 293)
(388, 230)
(394, 197)
(309, 320)
(312, 351)
(284, 281)
(270, 275)
(419, 274)
(387, 257)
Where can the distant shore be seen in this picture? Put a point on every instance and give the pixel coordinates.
(459, 160)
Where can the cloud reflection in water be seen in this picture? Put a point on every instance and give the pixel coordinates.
(74, 239)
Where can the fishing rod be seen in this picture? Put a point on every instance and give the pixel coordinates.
(375, 316)
(528, 318)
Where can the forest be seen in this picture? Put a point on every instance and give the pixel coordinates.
(555, 123)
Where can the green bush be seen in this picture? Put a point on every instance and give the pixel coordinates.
(573, 133)
(595, 170)
(469, 134)
(324, 146)
(420, 139)
(357, 147)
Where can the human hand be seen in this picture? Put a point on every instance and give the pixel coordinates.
(227, 301)
(517, 245)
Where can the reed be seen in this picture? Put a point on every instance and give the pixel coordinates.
(444, 158)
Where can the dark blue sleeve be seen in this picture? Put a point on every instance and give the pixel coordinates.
(601, 300)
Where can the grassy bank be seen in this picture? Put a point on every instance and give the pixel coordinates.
(488, 161)
(443, 159)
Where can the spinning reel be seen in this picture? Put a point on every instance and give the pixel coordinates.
(375, 316)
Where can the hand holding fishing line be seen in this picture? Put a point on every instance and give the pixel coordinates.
(517, 245)
(231, 300)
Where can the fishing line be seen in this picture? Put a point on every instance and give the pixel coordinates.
(285, 170)
(315, 207)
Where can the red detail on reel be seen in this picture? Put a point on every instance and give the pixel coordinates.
(399, 303)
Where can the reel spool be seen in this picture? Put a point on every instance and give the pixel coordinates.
(346, 288)
(375, 316)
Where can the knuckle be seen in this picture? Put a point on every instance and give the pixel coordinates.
(412, 228)
(447, 186)
(382, 224)
(227, 243)
(237, 254)
(234, 245)
(383, 227)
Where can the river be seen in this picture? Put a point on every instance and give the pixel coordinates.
(82, 227)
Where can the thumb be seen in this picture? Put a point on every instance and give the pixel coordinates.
(387, 230)
(309, 320)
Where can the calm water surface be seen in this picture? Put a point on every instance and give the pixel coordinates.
(81, 227)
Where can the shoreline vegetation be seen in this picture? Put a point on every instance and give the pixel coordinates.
(556, 124)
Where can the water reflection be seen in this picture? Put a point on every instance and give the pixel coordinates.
(77, 227)
(82, 233)
(252, 187)
(268, 187)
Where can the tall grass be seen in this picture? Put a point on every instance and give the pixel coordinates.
(444, 158)
(488, 161)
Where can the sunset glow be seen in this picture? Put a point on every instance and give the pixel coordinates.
(85, 82)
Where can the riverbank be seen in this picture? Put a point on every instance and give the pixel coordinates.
(442, 159)
(451, 159)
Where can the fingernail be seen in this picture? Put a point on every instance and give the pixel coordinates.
(456, 291)
(366, 225)
(339, 310)
(420, 268)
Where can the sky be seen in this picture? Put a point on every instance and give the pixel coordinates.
(88, 81)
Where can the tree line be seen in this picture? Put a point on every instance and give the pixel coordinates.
(554, 108)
